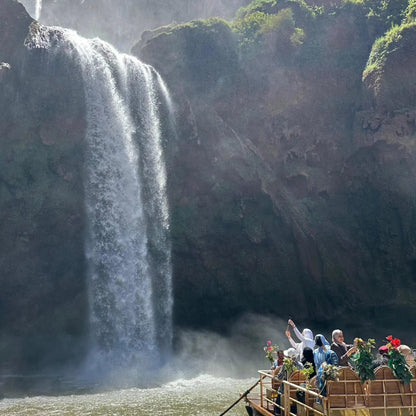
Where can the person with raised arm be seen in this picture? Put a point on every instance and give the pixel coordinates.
(305, 337)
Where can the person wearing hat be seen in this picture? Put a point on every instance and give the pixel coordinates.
(383, 357)
(291, 354)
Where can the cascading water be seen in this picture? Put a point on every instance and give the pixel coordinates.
(127, 244)
(38, 9)
(34, 7)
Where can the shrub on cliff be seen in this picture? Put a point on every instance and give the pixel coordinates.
(383, 47)
(382, 14)
(303, 14)
(389, 75)
(389, 12)
(283, 25)
(248, 29)
(410, 13)
(270, 34)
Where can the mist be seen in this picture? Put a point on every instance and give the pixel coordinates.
(238, 354)
(121, 23)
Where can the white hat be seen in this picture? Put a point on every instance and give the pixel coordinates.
(290, 352)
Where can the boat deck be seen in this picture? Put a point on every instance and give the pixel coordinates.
(384, 396)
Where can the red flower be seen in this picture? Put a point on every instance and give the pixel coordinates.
(395, 342)
(270, 348)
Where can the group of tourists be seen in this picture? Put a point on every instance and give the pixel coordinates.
(315, 351)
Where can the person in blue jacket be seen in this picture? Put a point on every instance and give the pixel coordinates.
(321, 347)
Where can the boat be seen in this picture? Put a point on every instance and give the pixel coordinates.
(386, 395)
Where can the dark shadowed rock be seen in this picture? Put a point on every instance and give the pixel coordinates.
(14, 26)
(43, 296)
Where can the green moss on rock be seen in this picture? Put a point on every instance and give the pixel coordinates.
(389, 76)
(207, 52)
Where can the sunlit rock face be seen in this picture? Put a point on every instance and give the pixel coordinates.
(43, 297)
(289, 194)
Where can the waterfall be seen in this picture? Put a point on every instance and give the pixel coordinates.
(38, 9)
(34, 7)
(127, 245)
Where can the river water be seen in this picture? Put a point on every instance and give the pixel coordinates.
(204, 395)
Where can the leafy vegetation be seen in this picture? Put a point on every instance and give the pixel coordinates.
(276, 33)
(390, 12)
(262, 6)
(397, 361)
(386, 12)
(385, 45)
(302, 13)
(248, 29)
(363, 359)
(410, 13)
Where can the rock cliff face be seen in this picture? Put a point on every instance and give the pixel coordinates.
(291, 176)
(292, 180)
(43, 296)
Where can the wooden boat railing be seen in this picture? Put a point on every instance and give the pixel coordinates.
(384, 396)
(290, 388)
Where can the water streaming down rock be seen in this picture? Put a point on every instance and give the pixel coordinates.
(127, 244)
(34, 7)
(38, 9)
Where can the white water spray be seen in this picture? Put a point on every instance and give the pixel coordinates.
(38, 9)
(127, 245)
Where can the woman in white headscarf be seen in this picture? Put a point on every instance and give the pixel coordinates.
(305, 337)
(343, 350)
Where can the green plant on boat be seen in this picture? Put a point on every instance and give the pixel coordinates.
(289, 365)
(397, 361)
(363, 359)
(307, 371)
(330, 372)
